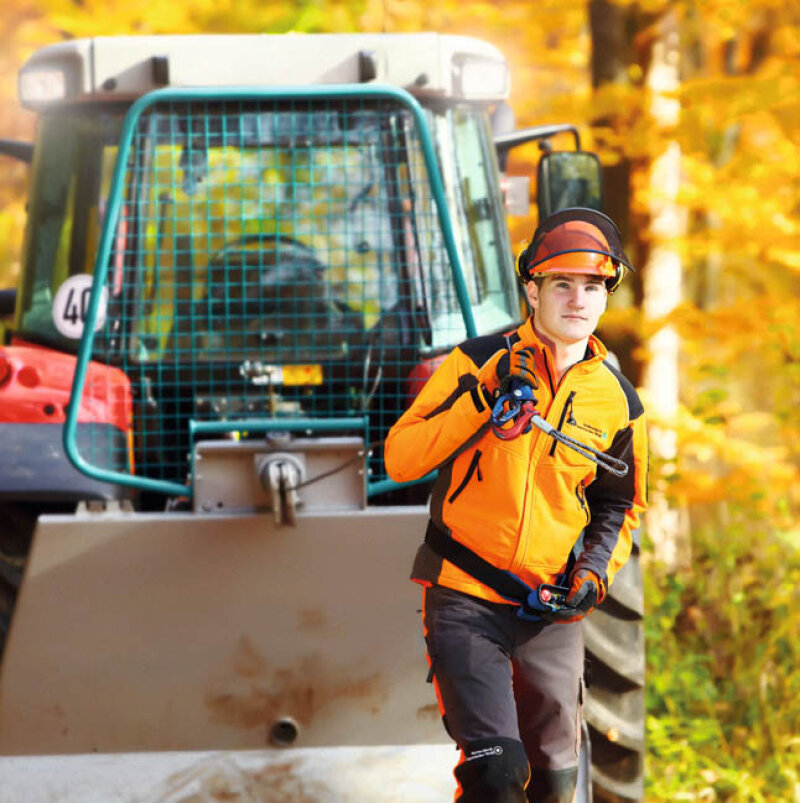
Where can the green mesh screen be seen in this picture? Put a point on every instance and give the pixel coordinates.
(271, 260)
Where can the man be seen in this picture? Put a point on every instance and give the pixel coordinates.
(506, 512)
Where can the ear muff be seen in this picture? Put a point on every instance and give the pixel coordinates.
(613, 282)
(521, 264)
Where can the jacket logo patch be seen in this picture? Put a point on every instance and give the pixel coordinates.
(591, 429)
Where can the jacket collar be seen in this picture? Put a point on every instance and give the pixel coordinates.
(595, 350)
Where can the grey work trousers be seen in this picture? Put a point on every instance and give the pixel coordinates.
(498, 675)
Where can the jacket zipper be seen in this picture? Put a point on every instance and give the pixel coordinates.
(473, 467)
(518, 561)
(566, 411)
(581, 495)
(549, 374)
(520, 554)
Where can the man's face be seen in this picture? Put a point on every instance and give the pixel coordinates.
(567, 306)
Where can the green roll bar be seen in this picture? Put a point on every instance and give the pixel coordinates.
(139, 107)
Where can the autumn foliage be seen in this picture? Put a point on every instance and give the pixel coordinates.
(724, 716)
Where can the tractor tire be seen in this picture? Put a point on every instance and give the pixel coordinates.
(614, 708)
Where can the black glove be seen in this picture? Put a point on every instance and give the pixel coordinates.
(583, 596)
(517, 365)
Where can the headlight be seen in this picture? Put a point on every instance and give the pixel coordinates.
(42, 86)
(480, 78)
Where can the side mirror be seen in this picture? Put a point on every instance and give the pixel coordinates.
(569, 178)
(8, 300)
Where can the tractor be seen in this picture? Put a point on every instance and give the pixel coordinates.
(244, 256)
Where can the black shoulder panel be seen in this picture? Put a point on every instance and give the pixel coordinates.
(635, 406)
(479, 349)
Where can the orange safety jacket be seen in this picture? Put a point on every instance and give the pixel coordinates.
(522, 504)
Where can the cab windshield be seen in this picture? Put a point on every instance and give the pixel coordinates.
(284, 218)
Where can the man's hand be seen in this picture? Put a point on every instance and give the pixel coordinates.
(497, 374)
(517, 365)
(583, 596)
(584, 591)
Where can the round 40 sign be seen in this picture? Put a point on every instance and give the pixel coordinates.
(71, 305)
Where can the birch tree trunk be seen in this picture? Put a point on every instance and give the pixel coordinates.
(665, 523)
(614, 707)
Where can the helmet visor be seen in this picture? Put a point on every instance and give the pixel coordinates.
(577, 240)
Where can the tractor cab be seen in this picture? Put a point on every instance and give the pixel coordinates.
(275, 251)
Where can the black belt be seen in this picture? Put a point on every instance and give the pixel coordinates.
(501, 581)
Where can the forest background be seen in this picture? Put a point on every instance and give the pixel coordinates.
(709, 91)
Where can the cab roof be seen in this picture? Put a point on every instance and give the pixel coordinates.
(125, 67)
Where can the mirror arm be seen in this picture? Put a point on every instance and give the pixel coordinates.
(505, 142)
(16, 149)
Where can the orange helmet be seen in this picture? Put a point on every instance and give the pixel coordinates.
(575, 240)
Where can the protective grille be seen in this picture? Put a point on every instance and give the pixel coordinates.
(272, 259)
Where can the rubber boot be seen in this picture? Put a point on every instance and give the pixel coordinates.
(553, 786)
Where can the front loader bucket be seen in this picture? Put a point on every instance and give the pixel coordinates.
(153, 632)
